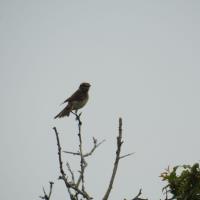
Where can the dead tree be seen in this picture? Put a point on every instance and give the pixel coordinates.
(76, 185)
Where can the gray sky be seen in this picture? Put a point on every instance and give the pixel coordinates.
(142, 60)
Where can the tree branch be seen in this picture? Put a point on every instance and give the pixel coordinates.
(59, 153)
(95, 146)
(83, 163)
(63, 175)
(117, 158)
(124, 156)
(71, 172)
(47, 197)
(137, 196)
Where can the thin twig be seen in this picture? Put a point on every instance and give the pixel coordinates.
(124, 156)
(59, 153)
(117, 158)
(71, 172)
(73, 153)
(166, 193)
(137, 196)
(47, 197)
(95, 146)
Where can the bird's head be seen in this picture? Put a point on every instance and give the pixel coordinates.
(84, 86)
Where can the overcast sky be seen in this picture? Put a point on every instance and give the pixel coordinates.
(142, 60)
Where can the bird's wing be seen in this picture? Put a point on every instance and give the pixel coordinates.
(78, 95)
(65, 101)
(70, 98)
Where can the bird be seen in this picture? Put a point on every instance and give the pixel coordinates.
(76, 101)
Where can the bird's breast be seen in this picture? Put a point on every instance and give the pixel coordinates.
(79, 104)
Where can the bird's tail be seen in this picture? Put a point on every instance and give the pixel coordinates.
(65, 112)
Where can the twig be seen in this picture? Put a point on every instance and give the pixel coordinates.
(139, 193)
(83, 163)
(78, 118)
(47, 197)
(124, 156)
(117, 158)
(166, 192)
(59, 153)
(137, 196)
(95, 145)
(71, 172)
(73, 153)
(63, 175)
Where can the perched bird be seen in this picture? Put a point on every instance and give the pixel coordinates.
(76, 101)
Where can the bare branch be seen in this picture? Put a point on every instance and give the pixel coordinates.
(59, 153)
(63, 175)
(78, 118)
(117, 158)
(47, 197)
(137, 196)
(71, 172)
(124, 156)
(83, 163)
(95, 146)
(73, 153)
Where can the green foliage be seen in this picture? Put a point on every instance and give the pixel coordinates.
(183, 182)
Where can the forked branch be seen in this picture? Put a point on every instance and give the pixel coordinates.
(69, 185)
(47, 196)
(137, 196)
(95, 145)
